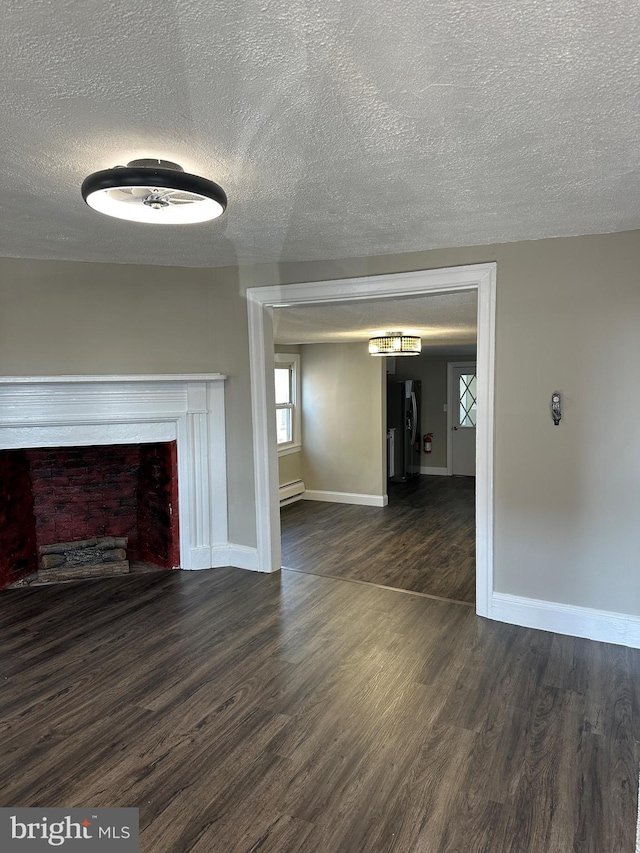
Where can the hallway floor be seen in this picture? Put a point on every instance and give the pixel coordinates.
(423, 541)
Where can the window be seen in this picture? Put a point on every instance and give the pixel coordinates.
(287, 387)
(467, 400)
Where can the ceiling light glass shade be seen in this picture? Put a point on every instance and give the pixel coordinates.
(154, 191)
(395, 344)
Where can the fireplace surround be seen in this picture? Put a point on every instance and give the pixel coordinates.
(188, 409)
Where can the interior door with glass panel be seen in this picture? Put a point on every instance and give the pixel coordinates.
(463, 394)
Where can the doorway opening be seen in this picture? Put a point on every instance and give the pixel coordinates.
(397, 519)
(262, 301)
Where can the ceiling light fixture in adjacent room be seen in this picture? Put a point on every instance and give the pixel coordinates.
(395, 343)
(155, 191)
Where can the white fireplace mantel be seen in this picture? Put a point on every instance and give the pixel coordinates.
(81, 378)
(64, 411)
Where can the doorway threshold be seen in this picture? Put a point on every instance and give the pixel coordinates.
(382, 586)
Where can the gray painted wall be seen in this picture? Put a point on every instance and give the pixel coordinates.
(566, 511)
(342, 419)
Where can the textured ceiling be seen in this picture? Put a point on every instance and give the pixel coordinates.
(446, 322)
(337, 129)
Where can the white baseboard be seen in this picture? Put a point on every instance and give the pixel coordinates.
(239, 556)
(345, 498)
(606, 626)
(200, 558)
(243, 557)
(439, 472)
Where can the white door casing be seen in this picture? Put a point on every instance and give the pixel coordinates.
(461, 429)
(261, 301)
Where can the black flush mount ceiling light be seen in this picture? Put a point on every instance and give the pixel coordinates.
(395, 343)
(155, 191)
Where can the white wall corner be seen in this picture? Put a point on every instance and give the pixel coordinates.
(606, 626)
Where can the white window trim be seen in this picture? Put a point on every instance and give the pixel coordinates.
(290, 359)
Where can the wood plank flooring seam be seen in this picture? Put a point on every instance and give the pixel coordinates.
(381, 586)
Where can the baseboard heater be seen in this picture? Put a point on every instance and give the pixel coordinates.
(291, 492)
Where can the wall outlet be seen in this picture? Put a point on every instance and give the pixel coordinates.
(444, 408)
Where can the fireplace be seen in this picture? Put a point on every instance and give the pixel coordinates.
(127, 491)
(141, 457)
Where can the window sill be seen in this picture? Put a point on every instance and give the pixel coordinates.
(289, 448)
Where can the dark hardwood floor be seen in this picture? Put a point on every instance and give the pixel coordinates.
(423, 541)
(292, 713)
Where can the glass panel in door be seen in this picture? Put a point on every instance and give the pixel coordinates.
(467, 400)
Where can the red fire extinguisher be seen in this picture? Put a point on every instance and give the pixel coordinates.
(427, 442)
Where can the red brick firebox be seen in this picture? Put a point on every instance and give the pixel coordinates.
(68, 493)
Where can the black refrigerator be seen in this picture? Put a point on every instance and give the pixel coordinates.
(403, 429)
